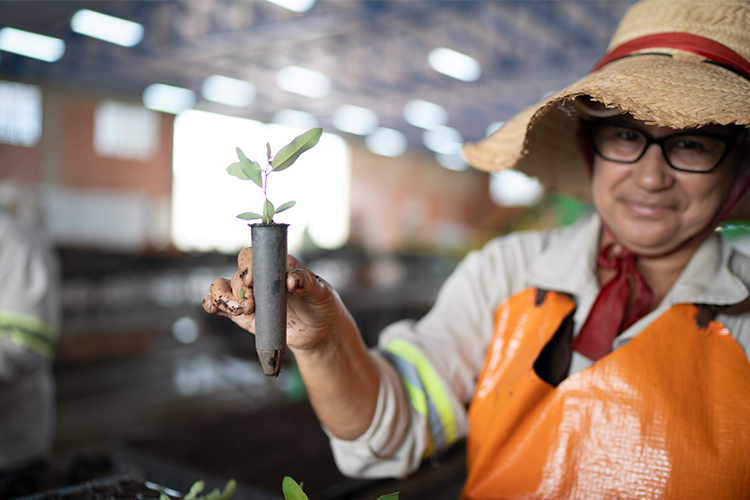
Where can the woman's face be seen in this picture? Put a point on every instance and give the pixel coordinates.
(652, 208)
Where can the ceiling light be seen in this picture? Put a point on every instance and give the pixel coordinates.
(303, 81)
(295, 119)
(294, 5)
(444, 140)
(386, 142)
(168, 99)
(108, 28)
(30, 44)
(511, 188)
(453, 161)
(229, 91)
(425, 114)
(354, 119)
(455, 64)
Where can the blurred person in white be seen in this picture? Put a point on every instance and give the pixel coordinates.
(29, 329)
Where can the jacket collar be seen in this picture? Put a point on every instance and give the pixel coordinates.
(568, 264)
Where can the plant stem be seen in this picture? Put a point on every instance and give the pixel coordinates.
(266, 216)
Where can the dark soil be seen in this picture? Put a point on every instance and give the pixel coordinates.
(256, 448)
(105, 489)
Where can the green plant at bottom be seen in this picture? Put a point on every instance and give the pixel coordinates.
(293, 491)
(197, 488)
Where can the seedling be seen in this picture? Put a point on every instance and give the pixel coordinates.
(197, 488)
(293, 491)
(246, 169)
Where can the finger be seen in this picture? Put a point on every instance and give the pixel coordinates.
(301, 281)
(209, 306)
(245, 266)
(223, 298)
(243, 294)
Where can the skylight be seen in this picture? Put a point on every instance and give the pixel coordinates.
(386, 142)
(295, 119)
(108, 28)
(354, 119)
(303, 81)
(444, 140)
(455, 64)
(229, 91)
(425, 114)
(25, 43)
(167, 98)
(294, 5)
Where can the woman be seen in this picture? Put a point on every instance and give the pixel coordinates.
(603, 360)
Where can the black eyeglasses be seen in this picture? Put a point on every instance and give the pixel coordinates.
(697, 152)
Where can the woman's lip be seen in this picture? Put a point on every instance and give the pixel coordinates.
(647, 209)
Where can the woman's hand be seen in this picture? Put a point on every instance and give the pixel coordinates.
(314, 309)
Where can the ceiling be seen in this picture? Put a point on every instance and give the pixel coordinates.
(374, 51)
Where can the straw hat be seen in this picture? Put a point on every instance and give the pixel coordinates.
(672, 63)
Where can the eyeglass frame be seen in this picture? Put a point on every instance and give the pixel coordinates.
(729, 140)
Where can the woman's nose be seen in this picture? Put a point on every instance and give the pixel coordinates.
(652, 172)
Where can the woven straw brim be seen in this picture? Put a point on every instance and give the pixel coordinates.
(681, 91)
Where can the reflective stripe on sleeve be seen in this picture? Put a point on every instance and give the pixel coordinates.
(29, 332)
(426, 391)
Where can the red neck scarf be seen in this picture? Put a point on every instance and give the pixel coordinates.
(608, 318)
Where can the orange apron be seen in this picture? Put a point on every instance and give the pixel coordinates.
(667, 415)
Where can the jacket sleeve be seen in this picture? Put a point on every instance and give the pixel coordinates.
(428, 368)
(29, 300)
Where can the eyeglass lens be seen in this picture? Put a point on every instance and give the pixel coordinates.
(695, 152)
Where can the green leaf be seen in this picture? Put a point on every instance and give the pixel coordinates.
(268, 151)
(268, 212)
(285, 206)
(289, 153)
(229, 489)
(235, 169)
(249, 216)
(250, 168)
(162, 496)
(196, 488)
(215, 494)
(391, 496)
(292, 490)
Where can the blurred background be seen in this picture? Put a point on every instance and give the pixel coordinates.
(117, 122)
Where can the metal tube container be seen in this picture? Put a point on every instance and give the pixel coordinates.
(269, 242)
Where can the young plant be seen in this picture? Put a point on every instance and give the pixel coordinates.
(197, 488)
(246, 169)
(293, 491)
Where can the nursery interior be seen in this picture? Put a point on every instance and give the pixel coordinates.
(118, 120)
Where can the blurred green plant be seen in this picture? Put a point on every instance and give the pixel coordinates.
(246, 169)
(293, 491)
(197, 488)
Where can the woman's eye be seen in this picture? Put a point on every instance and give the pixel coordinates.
(626, 135)
(689, 144)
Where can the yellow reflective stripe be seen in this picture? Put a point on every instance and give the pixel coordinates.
(40, 346)
(417, 396)
(34, 325)
(432, 384)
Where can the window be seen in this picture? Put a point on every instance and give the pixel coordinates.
(205, 199)
(126, 131)
(20, 114)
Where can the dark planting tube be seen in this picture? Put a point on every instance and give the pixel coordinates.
(269, 291)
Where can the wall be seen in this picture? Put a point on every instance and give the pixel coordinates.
(401, 203)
